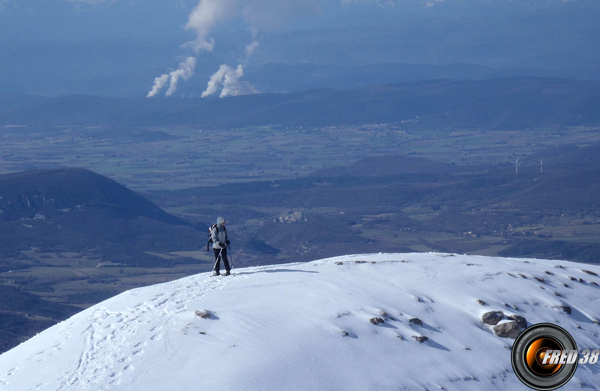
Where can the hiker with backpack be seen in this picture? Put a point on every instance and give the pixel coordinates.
(220, 242)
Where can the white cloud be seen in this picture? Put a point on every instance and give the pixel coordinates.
(431, 3)
(250, 48)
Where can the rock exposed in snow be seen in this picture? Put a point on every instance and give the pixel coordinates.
(416, 321)
(507, 330)
(492, 318)
(204, 314)
(376, 320)
(520, 320)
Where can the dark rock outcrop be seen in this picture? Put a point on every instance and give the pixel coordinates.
(416, 321)
(521, 321)
(492, 318)
(507, 330)
(376, 320)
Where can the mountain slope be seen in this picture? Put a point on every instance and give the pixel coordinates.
(31, 192)
(307, 326)
(78, 210)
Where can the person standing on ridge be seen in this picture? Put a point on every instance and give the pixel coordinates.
(220, 242)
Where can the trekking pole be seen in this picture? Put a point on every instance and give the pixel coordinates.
(218, 259)
(230, 255)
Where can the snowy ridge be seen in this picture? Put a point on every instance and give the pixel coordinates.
(313, 326)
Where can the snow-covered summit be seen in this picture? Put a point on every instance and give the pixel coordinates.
(345, 323)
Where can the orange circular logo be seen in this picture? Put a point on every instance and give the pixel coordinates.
(544, 357)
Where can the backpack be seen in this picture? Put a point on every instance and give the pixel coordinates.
(214, 226)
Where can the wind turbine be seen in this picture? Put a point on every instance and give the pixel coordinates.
(517, 165)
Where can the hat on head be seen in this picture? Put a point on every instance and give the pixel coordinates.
(220, 220)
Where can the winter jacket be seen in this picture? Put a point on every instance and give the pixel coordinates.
(219, 235)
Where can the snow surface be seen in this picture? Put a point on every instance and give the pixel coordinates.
(307, 327)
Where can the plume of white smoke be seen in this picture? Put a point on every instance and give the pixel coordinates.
(264, 13)
(215, 81)
(210, 13)
(230, 84)
(206, 15)
(226, 77)
(159, 83)
(185, 71)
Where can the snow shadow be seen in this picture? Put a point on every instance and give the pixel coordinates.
(424, 326)
(351, 335)
(436, 345)
(429, 328)
(579, 316)
(387, 325)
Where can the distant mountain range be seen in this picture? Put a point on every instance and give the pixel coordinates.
(514, 103)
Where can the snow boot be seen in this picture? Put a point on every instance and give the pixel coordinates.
(215, 274)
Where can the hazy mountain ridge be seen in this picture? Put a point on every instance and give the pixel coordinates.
(518, 103)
